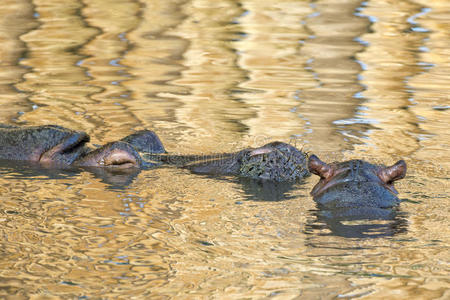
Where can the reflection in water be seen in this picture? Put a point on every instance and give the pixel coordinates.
(121, 179)
(114, 178)
(366, 222)
(54, 82)
(347, 79)
(17, 18)
(29, 170)
(269, 54)
(156, 59)
(388, 65)
(210, 74)
(260, 190)
(331, 48)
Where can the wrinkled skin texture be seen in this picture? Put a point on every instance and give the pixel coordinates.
(275, 161)
(53, 145)
(355, 183)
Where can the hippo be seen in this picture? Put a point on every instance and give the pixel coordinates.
(275, 161)
(54, 145)
(355, 184)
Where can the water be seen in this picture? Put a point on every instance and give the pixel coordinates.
(342, 79)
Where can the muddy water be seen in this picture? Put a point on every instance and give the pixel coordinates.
(342, 79)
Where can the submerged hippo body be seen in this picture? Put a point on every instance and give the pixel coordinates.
(355, 183)
(58, 146)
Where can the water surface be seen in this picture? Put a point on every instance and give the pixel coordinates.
(342, 79)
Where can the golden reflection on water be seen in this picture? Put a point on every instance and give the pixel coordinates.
(344, 79)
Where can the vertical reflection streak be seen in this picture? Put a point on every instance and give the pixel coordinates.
(276, 71)
(157, 60)
(114, 19)
(54, 82)
(330, 54)
(431, 89)
(17, 16)
(209, 112)
(390, 62)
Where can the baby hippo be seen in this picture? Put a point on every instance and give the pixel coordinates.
(58, 146)
(355, 183)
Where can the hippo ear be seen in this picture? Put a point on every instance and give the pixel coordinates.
(395, 172)
(318, 167)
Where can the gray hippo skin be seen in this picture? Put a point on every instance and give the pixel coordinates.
(145, 141)
(275, 161)
(44, 144)
(58, 146)
(355, 183)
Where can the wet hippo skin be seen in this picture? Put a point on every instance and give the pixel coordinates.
(145, 141)
(54, 145)
(275, 161)
(355, 183)
(49, 143)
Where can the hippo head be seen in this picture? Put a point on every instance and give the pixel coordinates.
(355, 183)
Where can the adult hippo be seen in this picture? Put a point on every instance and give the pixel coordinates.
(355, 184)
(58, 146)
(54, 145)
